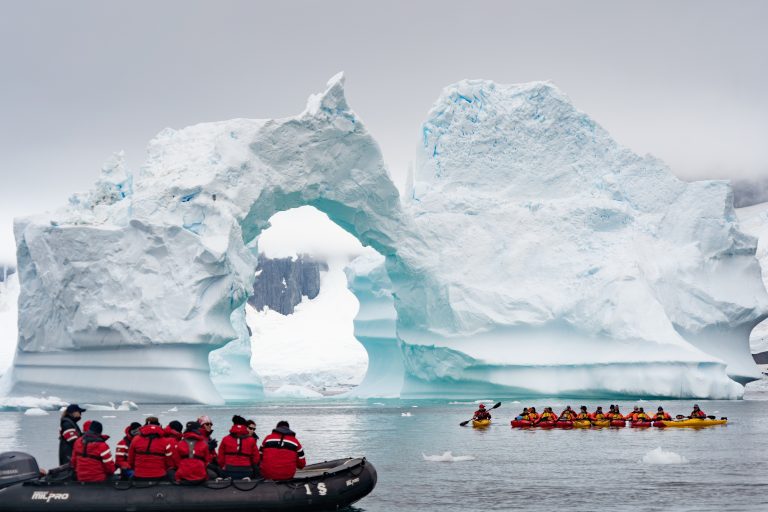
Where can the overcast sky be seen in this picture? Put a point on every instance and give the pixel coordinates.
(682, 80)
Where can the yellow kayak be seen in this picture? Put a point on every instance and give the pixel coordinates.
(695, 422)
(601, 423)
(481, 423)
(582, 423)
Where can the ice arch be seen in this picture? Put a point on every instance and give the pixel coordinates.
(131, 286)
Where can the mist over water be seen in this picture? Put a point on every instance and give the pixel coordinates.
(497, 468)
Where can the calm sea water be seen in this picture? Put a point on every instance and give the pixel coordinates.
(727, 467)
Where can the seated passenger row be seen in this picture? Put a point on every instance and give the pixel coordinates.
(151, 452)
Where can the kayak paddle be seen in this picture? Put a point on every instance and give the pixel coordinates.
(464, 423)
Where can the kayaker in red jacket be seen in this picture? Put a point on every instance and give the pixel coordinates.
(568, 414)
(583, 414)
(547, 415)
(121, 450)
(697, 413)
(150, 453)
(191, 455)
(281, 453)
(533, 416)
(662, 415)
(641, 416)
(91, 457)
(481, 414)
(238, 452)
(598, 414)
(633, 415)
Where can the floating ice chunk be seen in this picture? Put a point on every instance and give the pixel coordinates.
(414, 406)
(109, 416)
(125, 405)
(173, 409)
(406, 414)
(35, 411)
(484, 402)
(659, 456)
(18, 403)
(447, 457)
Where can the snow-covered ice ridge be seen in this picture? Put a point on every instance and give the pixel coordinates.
(532, 255)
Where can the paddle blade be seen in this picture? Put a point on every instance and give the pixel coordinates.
(498, 404)
(464, 423)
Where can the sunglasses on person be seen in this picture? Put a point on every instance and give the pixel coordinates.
(207, 424)
(251, 428)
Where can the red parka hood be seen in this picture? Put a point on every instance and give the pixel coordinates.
(148, 430)
(239, 431)
(192, 435)
(169, 432)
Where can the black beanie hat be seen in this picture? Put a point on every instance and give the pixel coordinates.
(238, 420)
(176, 425)
(193, 426)
(96, 427)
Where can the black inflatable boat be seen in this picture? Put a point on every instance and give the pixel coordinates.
(327, 486)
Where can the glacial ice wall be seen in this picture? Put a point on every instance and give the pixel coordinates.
(534, 255)
(754, 221)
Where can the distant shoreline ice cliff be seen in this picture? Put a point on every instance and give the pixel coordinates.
(532, 255)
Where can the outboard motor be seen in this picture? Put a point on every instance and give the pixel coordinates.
(17, 467)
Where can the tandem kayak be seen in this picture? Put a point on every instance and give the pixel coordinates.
(694, 422)
(601, 423)
(641, 424)
(326, 486)
(582, 424)
(521, 424)
(618, 423)
(564, 424)
(545, 425)
(481, 423)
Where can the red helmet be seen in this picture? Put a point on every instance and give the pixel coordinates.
(482, 406)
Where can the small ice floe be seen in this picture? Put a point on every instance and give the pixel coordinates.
(414, 406)
(405, 414)
(35, 411)
(447, 457)
(50, 403)
(461, 403)
(109, 416)
(515, 402)
(173, 409)
(659, 456)
(125, 405)
(377, 403)
(483, 401)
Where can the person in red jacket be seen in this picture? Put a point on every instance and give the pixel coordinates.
(238, 452)
(173, 434)
(281, 453)
(598, 414)
(121, 450)
(150, 454)
(697, 413)
(191, 455)
(661, 415)
(481, 413)
(91, 457)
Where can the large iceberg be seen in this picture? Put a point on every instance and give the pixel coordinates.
(533, 255)
(754, 221)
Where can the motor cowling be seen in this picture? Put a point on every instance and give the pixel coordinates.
(17, 467)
